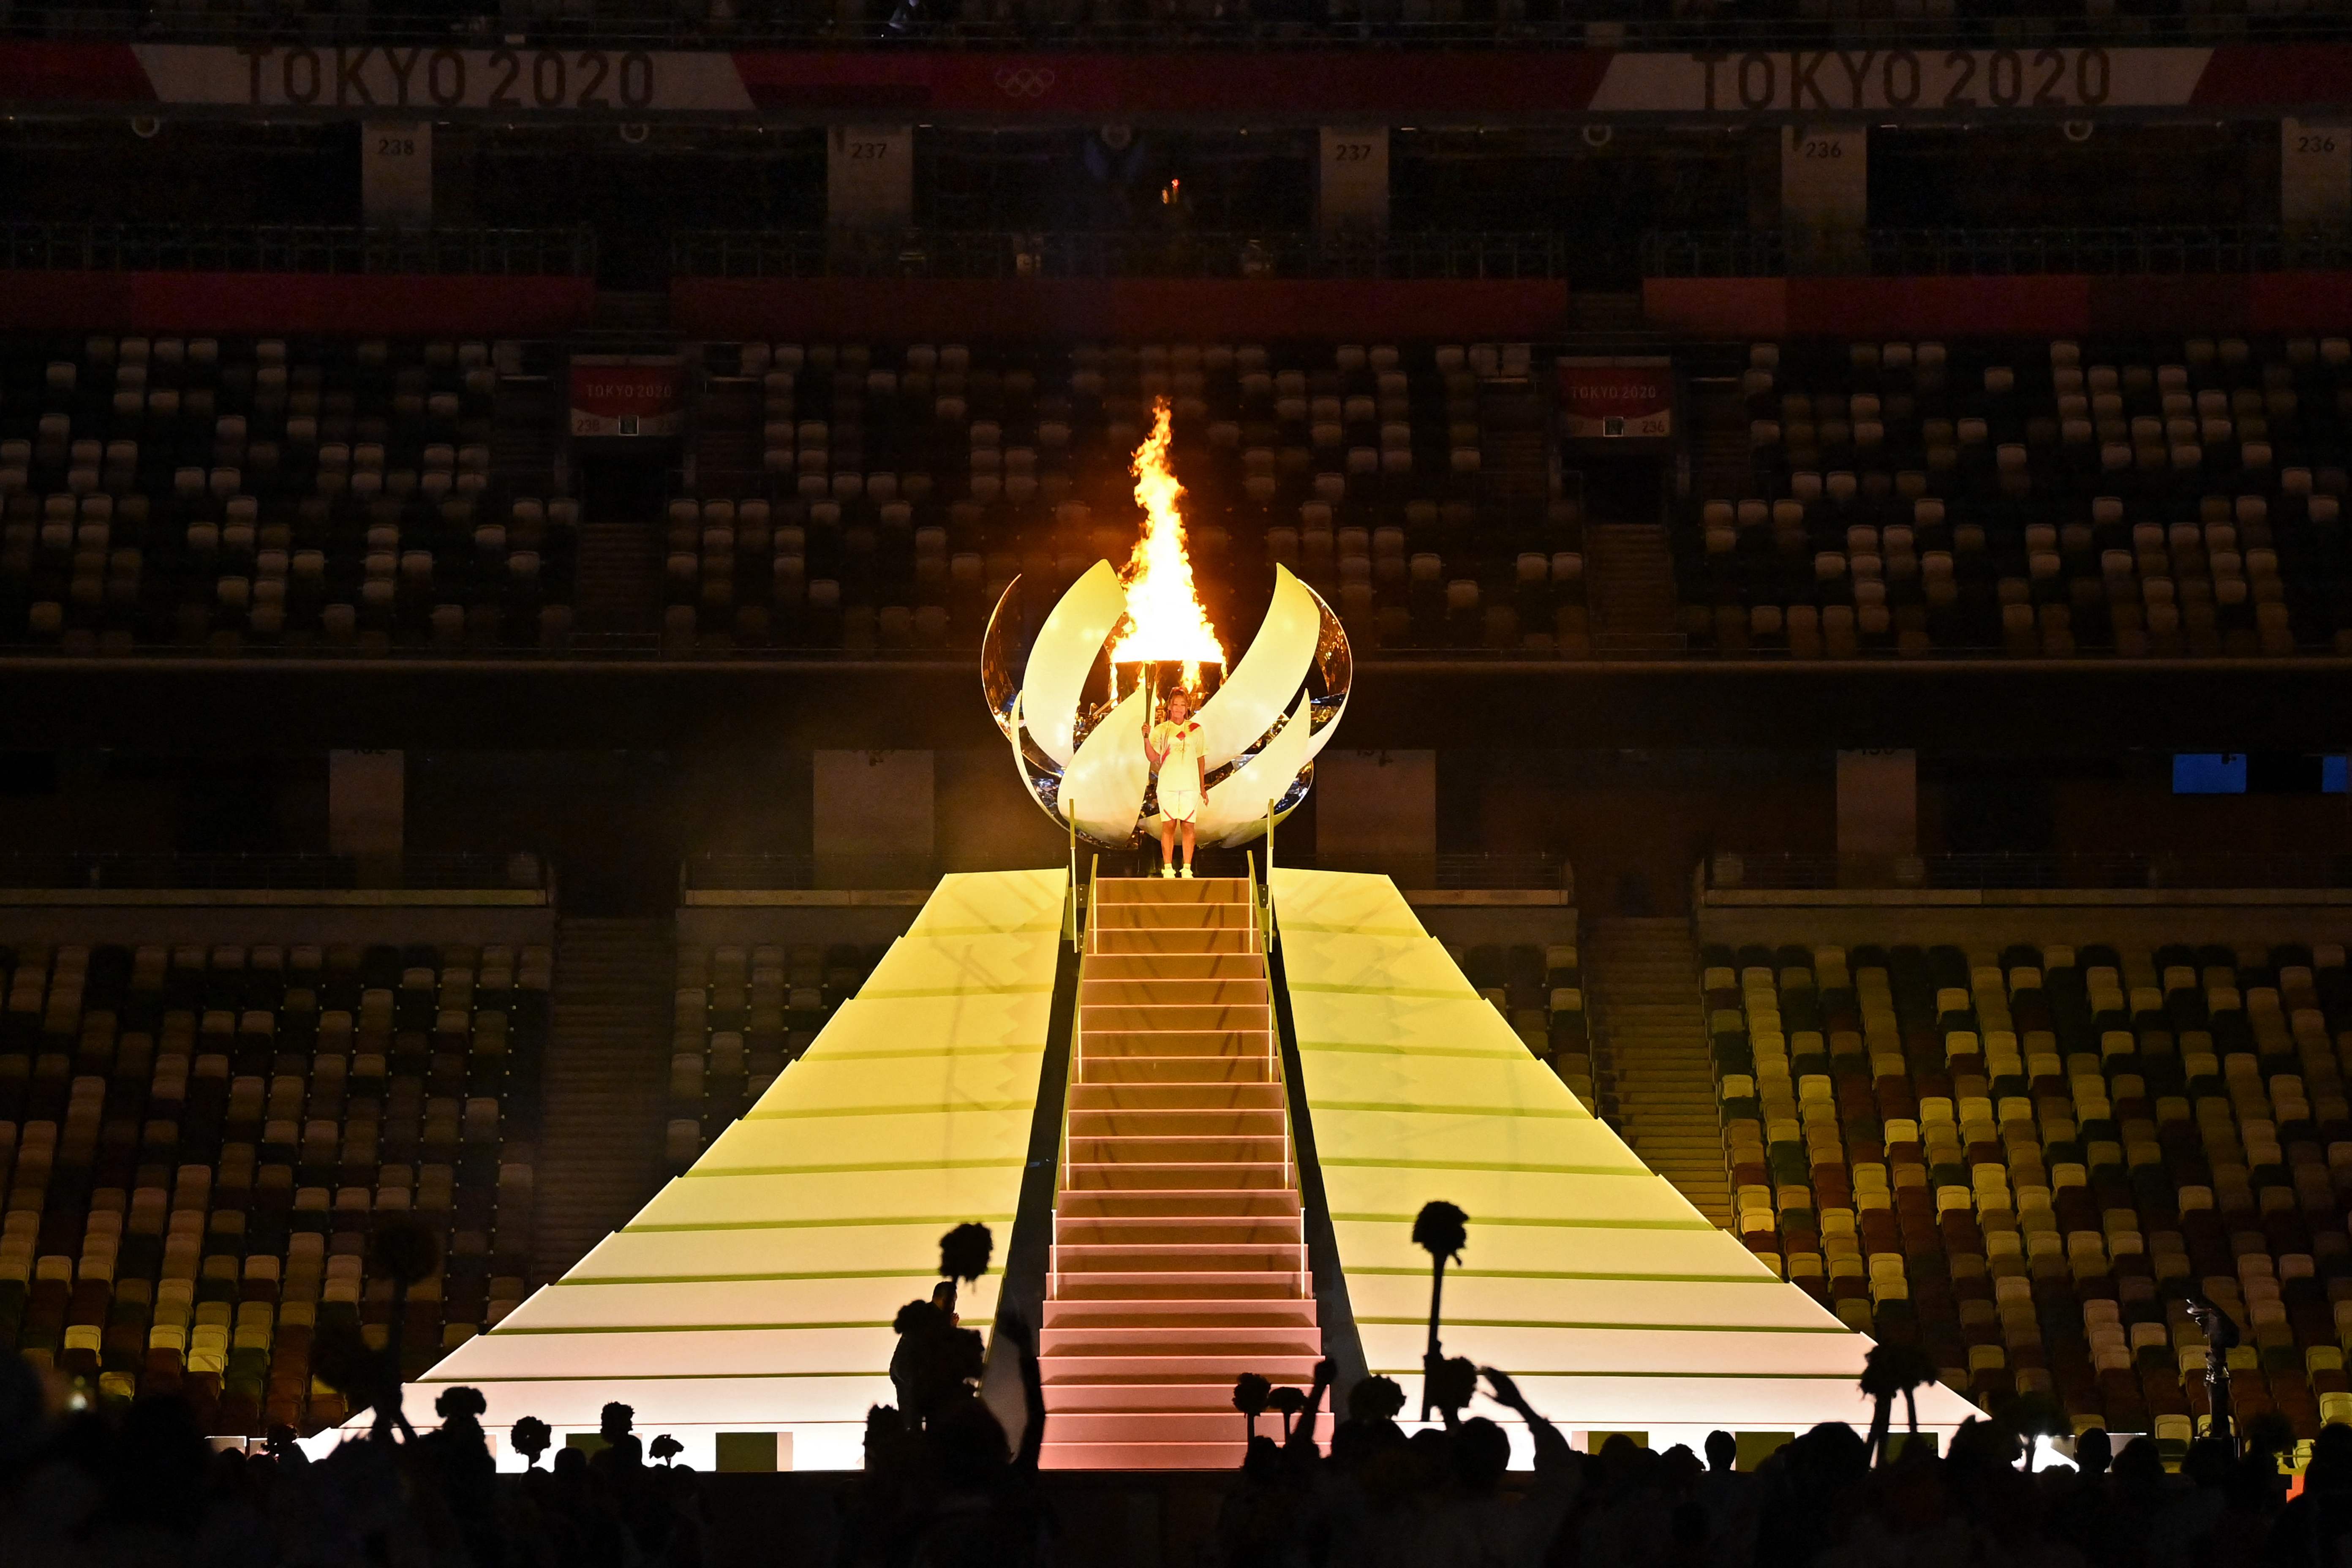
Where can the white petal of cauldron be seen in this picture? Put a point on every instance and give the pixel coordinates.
(1264, 725)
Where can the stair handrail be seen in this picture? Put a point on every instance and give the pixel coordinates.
(1077, 1045)
(1270, 874)
(1265, 935)
(1249, 872)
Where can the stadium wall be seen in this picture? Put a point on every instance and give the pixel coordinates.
(894, 307)
(2145, 919)
(394, 304)
(2060, 304)
(133, 924)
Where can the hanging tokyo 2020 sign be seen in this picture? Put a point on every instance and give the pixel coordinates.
(1078, 87)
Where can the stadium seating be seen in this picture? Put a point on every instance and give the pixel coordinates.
(224, 496)
(1541, 991)
(742, 1017)
(196, 1141)
(2022, 1161)
(897, 490)
(199, 494)
(2041, 498)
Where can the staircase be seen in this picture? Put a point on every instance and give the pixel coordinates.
(1644, 985)
(1614, 315)
(637, 312)
(1632, 575)
(607, 1065)
(1727, 456)
(1514, 452)
(619, 575)
(526, 425)
(727, 451)
(1179, 1258)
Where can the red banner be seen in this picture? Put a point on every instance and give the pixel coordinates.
(636, 395)
(1080, 87)
(1616, 399)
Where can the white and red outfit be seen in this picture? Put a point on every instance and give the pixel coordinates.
(1180, 768)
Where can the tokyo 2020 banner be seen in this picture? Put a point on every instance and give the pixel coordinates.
(522, 81)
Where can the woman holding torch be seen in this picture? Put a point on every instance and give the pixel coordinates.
(1174, 748)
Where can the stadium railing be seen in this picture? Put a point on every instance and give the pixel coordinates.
(1530, 871)
(1197, 253)
(738, 873)
(60, 870)
(1916, 252)
(1801, 872)
(1473, 871)
(275, 247)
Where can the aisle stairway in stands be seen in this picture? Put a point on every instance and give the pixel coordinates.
(526, 412)
(1655, 1034)
(1727, 453)
(1611, 317)
(1515, 442)
(634, 313)
(619, 577)
(606, 1070)
(724, 452)
(1630, 570)
(1178, 1253)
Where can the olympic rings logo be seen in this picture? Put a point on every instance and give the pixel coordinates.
(1024, 82)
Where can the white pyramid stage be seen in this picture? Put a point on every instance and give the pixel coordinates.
(755, 1293)
(1615, 1304)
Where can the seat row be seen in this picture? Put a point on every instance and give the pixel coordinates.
(1375, 472)
(202, 493)
(1541, 991)
(198, 1142)
(739, 1016)
(2023, 1160)
(2137, 498)
(224, 495)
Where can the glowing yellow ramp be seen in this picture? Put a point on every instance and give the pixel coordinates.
(1587, 1276)
(755, 1293)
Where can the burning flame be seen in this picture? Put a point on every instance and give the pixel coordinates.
(1165, 622)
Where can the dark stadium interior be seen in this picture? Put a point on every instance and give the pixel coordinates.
(1836, 509)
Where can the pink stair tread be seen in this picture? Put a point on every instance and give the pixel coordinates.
(1179, 1258)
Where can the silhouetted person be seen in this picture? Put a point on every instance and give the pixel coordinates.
(2140, 1489)
(2184, 1532)
(1730, 1499)
(1475, 1521)
(1373, 1486)
(1266, 1521)
(982, 1505)
(1371, 1425)
(936, 1359)
(1809, 1492)
(2315, 1531)
(460, 1456)
(2082, 1512)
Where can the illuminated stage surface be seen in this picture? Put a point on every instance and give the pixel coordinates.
(754, 1294)
(1616, 1305)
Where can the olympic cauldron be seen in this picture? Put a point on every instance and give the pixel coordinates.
(1075, 720)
